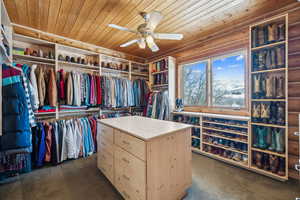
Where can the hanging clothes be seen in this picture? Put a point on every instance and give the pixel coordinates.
(158, 105)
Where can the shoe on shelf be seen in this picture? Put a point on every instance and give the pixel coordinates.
(266, 162)
(280, 140)
(272, 144)
(258, 160)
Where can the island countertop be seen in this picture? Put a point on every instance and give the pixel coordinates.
(143, 127)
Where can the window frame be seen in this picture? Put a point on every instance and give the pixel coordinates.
(182, 81)
(209, 80)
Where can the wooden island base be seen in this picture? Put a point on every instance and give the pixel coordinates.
(145, 159)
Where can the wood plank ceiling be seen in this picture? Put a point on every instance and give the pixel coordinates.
(86, 20)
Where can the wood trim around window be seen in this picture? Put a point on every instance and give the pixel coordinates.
(212, 109)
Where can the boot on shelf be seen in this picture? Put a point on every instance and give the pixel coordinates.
(262, 60)
(281, 170)
(273, 108)
(261, 36)
(280, 140)
(265, 112)
(254, 36)
(255, 137)
(280, 87)
(269, 86)
(274, 163)
(280, 114)
(268, 59)
(262, 137)
(273, 58)
(272, 145)
(280, 55)
(258, 160)
(272, 32)
(266, 162)
(256, 111)
(281, 32)
(257, 86)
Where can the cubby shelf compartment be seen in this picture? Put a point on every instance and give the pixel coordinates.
(226, 138)
(225, 131)
(227, 160)
(225, 124)
(35, 58)
(225, 148)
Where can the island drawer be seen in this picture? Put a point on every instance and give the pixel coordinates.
(106, 132)
(131, 144)
(130, 175)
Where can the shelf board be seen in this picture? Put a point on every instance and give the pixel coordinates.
(224, 124)
(268, 125)
(35, 58)
(114, 70)
(268, 173)
(79, 111)
(268, 152)
(193, 136)
(218, 157)
(160, 85)
(79, 65)
(269, 70)
(226, 138)
(139, 74)
(154, 73)
(226, 131)
(268, 45)
(257, 100)
(226, 148)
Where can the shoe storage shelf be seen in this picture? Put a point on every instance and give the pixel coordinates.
(269, 106)
(223, 137)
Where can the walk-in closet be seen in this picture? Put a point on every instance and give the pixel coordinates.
(150, 100)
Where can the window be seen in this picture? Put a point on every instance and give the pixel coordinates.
(195, 84)
(228, 81)
(222, 77)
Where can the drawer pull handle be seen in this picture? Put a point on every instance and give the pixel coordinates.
(125, 142)
(126, 195)
(125, 160)
(126, 177)
(296, 133)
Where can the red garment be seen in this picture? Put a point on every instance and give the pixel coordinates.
(10, 72)
(62, 94)
(48, 131)
(98, 87)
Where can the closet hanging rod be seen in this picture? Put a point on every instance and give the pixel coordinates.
(29, 61)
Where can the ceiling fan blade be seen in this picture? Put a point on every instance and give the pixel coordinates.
(167, 36)
(151, 44)
(121, 28)
(141, 42)
(153, 19)
(129, 43)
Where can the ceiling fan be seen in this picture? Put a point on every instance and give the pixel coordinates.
(146, 32)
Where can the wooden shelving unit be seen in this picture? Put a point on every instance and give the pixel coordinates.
(206, 119)
(259, 47)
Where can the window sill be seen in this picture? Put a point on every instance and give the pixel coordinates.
(225, 111)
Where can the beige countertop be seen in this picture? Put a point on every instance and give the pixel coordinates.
(143, 127)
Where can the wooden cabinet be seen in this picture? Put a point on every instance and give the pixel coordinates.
(159, 168)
